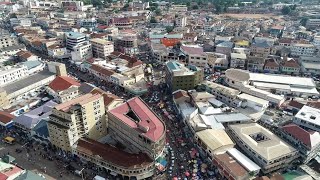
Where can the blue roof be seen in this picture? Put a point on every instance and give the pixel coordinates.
(226, 44)
(263, 44)
(31, 64)
(172, 65)
(41, 128)
(75, 34)
(29, 175)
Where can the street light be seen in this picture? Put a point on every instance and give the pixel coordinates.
(81, 173)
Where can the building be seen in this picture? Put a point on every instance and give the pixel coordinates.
(9, 74)
(260, 49)
(24, 88)
(181, 21)
(213, 141)
(238, 60)
(262, 146)
(7, 41)
(308, 117)
(101, 48)
(126, 43)
(81, 52)
(234, 165)
(183, 77)
(195, 55)
(87, 23)
(299, 49)
(73, 39)
(313, 23)
(58, 68)
(137, 127)
(116, 161)
(6, 120)
(179, 8)
(63, 89)
(277, 84)
(83, 116)
(307, 141)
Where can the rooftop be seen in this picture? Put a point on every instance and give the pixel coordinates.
(136, 114)
(6, 117)
(25, 82)
(215, 138)
(61, 83)
(112, 154)
(262, 141)
(81, 100)
(221, 88)
(101, 41)
(75, 35)
(309, 114)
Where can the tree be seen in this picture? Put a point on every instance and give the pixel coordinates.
(153, 20)
(157, 12)
(125, 7)
(286, 10)
(195, 7)
(169, 29)
(304, 21)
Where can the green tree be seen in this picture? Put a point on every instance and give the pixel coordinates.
(195, 7)
(125, 7)
(153, 20)
(304, 21)
(157, 12)
(169, 29)
(286, 10)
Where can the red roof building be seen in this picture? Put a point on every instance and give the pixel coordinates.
(61, 83)
(138, 116)
(308, 138)
(5, 118)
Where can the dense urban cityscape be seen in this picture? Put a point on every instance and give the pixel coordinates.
(162, 90)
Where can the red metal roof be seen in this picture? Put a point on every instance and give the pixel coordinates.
(113, 154)
(147, 118)
(6, 117)
(302, 135)
(61, 83)
(102, 70)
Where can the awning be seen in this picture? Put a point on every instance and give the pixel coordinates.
(9, 139)
(113, 173)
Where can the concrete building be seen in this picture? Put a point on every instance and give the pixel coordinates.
(83, 116)
(181, 21)
(24, 88)
(299, 49)
(7, 41)
(276, 84)
(179, 8)
(63, 89)
(238, 60)
(87, 23)
(58, 68)
(73, 39)
(308, 117)
(183, 77)
(195, 55)
(313, 23)
(136, 126)
(10, 74)
(101, 48)
(81, 52)
(262, 146)
(114, 160)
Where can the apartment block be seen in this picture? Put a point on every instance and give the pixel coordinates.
(308, 117)
(181, 21)
(81, 52)
(101, 48)
(83, 116)
(6, 41)
(73, 39)
(10, 74)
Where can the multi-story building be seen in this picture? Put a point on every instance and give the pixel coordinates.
(83, 116)
(179, 8)
(181, 21)
(122, 22)
(313, 23)
(87, 23)
(262, 146)
(179, 76)
(238, 60)
(101, 48)
(299, 49)
(73, 39)
(308, 117)
(260, 49)
(126, 43)
(136, 126)
(195, 55)
(81, 52)
(10, 74)
(7, 41)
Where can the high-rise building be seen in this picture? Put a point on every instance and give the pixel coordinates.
(73, 39)
(83, 116)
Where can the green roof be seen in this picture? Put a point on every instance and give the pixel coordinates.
(29, 175)
(172, 65)
(8, 159)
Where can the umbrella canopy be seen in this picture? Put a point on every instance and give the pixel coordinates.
(174, 178)
(187, 173)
